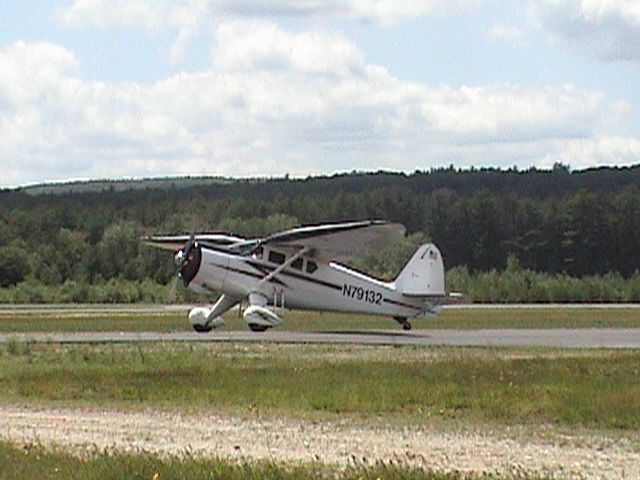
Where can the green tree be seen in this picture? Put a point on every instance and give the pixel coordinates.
(14, 266)
(118, 251)
(589, 235)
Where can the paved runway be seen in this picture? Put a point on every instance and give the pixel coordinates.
(10, 309)
(560, 338)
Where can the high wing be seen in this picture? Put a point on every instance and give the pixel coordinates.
(339, 241)
(176, 242)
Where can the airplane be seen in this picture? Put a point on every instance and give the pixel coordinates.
(303, 268)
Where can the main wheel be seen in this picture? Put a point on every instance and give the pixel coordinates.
(202, 328)
(257, 328)
(406, 326)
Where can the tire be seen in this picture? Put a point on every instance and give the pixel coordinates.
(202, 328)
(257, 328)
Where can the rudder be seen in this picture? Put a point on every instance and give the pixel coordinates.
(423, 275)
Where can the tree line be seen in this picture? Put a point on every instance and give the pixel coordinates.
(555, 223)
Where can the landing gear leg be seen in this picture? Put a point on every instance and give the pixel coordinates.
(404, 322)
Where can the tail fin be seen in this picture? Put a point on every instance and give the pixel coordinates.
(423, 275)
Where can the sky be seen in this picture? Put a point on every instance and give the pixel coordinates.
(93, 89)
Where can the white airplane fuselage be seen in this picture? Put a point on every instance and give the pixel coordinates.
(306, 284)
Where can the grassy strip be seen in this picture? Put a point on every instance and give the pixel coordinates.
(52, 320)
(542, 317)
(55, 321)
(507, 386)
(34, 461)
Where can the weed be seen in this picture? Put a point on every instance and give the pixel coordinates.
(530, 386)
(16, 347)
(34, 461)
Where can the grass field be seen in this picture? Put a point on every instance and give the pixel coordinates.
(19, 463)
(63, 320)
(415, 386)
(404, 384)
(75, 319)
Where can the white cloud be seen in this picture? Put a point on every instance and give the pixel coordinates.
(276, 102)
(599, 151)
(507, 34)
(609, 29)
(151, 14)
(506, 113)
(27, 70)
(259, 45)
(187, 17)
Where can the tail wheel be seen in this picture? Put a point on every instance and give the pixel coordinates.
(404, 322)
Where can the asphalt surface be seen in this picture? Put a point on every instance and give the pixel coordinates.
(9, 309)
(560, 338)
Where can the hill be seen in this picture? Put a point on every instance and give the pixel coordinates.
(555, 221)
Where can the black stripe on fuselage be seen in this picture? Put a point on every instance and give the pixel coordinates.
(250, 274)
(268, 269)
(401, 304)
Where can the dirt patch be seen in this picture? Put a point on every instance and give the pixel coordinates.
(573, 455)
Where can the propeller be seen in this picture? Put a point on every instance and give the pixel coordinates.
(184, 256)
(187, 248)
(182, 260)
(171, 296)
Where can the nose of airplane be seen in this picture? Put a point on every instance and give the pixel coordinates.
(188, 261)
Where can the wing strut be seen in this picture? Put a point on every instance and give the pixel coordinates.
(257, 315)
(204, 319)
(286, 264)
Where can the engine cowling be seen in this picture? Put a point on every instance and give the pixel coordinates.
(188, 261)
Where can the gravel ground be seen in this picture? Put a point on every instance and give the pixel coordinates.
(581, 455)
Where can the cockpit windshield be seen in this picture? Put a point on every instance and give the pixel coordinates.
(248, 247)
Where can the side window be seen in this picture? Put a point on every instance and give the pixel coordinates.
(297, 264)
(311, 266)
(276, 257)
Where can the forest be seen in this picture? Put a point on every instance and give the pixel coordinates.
(506, 235)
